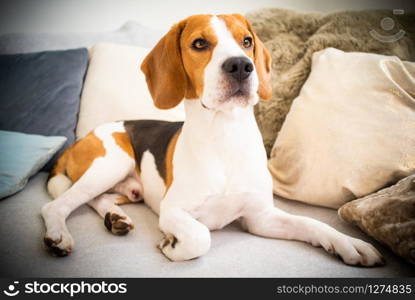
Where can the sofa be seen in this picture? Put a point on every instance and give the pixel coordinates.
(99, 253)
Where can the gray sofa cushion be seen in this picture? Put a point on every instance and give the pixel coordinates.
(131, 33)
(98, 253)
(40, 92)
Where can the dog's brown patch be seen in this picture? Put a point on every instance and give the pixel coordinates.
(123, 140)
(173, 69)
(122, 200)
(81, 155)
(169, 159)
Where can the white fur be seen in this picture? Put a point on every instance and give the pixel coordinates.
(154, 185)
(219, 175)
(58, 184)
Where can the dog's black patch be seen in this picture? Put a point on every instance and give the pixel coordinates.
(152, 135)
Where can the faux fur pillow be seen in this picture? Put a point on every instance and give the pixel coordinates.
(388, 216)
(116, 89)
(350, 132)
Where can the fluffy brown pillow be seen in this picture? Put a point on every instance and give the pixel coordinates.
(388, 216)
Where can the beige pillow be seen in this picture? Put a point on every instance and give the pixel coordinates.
(350, 132)
(116, 89)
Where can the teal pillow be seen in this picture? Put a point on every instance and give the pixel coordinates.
(23, 155)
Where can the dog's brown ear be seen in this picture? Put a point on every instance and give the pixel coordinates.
(164, 70)
(262, 60)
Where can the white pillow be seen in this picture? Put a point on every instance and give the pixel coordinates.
(350, 132)
(116, 89)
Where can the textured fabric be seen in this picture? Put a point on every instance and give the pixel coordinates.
(40, 92)
(233, 253)
(131, 33)
(115, 89)
(22, 156)
(350, 132)
(292, 37)
(388, 216)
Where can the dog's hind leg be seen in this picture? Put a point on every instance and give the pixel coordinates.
(115, 219)
(102, 175)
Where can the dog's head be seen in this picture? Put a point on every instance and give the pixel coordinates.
(216, 59)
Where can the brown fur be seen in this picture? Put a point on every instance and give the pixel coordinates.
(79, 157)
(123, 140)
(169, 160)
(60, 165)
(194, 62)
(122, 200)
(164, 70)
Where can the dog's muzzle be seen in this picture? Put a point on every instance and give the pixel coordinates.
(238, 70)
(238, 67)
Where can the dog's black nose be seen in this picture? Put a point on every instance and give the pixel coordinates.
(238, 67)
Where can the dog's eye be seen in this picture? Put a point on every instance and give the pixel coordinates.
(200, 44)
(247, 42)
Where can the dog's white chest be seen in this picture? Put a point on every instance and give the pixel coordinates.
(219, 172)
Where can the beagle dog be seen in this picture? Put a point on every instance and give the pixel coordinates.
(199, 175)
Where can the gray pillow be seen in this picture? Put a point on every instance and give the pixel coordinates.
(40, 92)
(131, 33)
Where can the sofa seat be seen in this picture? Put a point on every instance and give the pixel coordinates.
(98, 253)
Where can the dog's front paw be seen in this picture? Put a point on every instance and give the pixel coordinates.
(59, 242)
(57, 239)
(168, 240)
(168, 247)
(354, 251)
(177, 249)
(117, 224)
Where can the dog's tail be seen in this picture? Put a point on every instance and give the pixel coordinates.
(58, 182)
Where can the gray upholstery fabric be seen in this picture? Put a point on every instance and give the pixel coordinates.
(131, 33)
(40, 92)
(234, 253)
